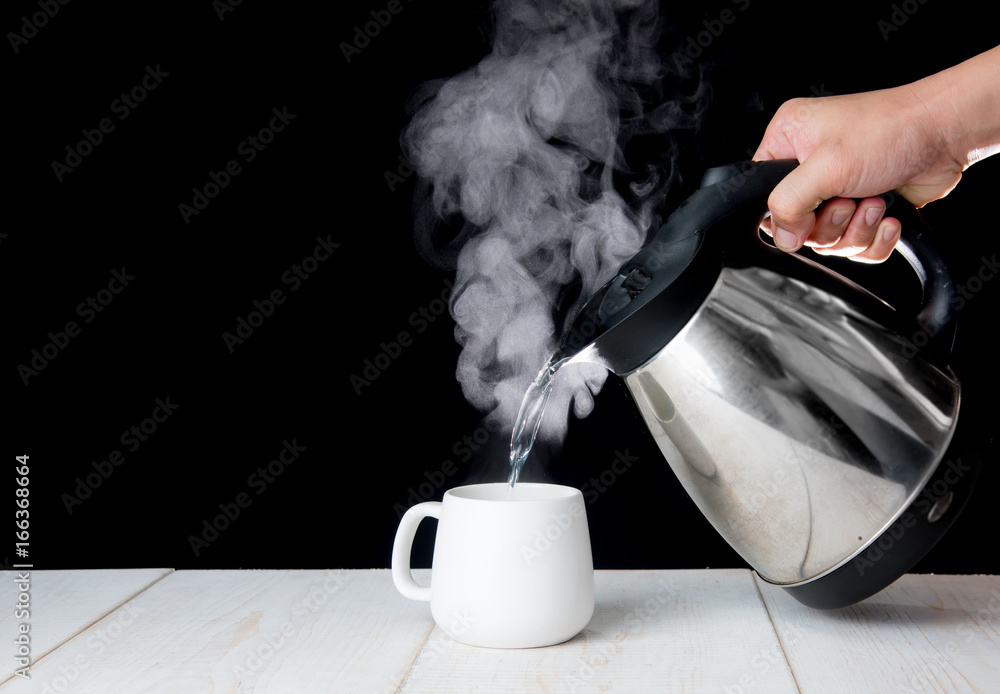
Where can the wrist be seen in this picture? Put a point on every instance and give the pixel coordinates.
(963, 108)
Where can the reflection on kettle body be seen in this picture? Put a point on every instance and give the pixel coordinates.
(782, 412)
(680, 435)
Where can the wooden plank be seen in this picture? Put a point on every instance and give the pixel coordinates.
(244, 631)
(64, 603)
(652, 631)
(349, 631)
(924, 633)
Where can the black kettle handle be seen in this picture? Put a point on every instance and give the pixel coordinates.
(751, 183)
(937, 312)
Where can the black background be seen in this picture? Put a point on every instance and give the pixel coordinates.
(368, 455)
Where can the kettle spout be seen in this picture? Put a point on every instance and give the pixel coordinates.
(580, 339)
(589, 354)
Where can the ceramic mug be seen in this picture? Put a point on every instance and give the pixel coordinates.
(512, 573)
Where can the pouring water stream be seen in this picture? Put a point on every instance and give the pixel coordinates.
(529, 415)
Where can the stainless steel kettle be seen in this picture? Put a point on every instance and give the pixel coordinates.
(812, 422)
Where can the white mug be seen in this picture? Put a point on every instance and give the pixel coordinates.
(505, 574)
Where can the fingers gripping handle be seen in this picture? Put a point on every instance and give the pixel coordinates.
(751, 183)
(401, 575)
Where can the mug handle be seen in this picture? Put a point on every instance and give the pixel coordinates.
(401, 575)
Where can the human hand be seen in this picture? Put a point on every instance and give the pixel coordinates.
(852, 148)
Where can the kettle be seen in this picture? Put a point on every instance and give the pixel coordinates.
(812, 422)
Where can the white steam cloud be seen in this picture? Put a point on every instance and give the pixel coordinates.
(523, 149)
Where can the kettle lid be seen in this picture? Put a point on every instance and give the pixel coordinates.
(659, 289)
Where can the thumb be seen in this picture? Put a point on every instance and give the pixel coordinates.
(794, 200)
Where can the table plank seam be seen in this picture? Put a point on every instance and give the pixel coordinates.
(781, 643)
(405, 674)
(87, 627)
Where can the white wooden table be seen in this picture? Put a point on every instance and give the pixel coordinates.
(350, 631)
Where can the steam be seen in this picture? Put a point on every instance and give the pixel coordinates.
(524, 152)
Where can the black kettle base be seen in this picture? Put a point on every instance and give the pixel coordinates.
(905, 542)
